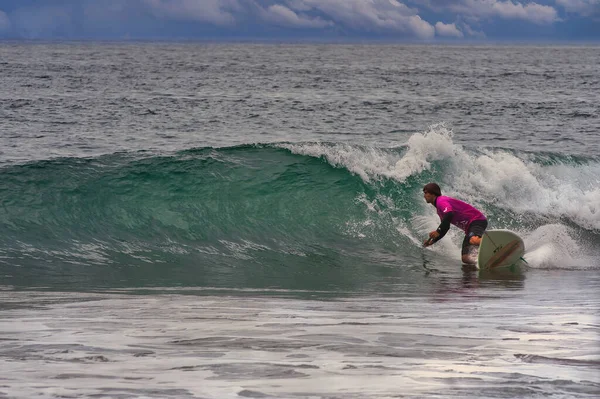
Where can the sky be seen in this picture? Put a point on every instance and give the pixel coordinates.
(318, 20)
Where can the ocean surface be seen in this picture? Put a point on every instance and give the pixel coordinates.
(198, 220)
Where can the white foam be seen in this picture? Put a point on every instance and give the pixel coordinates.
(554, 246)
(366, 162)
(423, 148)
(517, 183)
(556, 191)
(514, 182)
(288, 346)
(498, 177)
(448, 247)
(374, 163)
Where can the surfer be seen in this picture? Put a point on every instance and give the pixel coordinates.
(459, 213)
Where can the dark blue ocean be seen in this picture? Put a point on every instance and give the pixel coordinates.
(199, 220)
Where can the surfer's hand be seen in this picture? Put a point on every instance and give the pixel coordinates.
(427, 242)
(434, 234)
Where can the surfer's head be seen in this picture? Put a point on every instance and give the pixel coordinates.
(431, 191)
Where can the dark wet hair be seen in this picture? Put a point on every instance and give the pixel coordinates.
(432, 188)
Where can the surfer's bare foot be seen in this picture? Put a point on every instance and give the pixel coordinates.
(469, 259)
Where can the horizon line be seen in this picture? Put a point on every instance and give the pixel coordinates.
(261, 40)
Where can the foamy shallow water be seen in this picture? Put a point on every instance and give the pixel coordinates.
(458, 341)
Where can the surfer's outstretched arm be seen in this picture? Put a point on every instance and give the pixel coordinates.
(441, 231)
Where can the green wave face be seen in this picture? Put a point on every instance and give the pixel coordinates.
(310, 216)
(212, 214)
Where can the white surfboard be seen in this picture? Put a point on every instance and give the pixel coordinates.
(500, 250)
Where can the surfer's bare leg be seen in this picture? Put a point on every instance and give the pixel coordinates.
(470, 245)
(470, 251)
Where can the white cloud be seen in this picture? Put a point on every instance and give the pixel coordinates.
(298, 5)
(531, 12)
(420, 28)
(371, 15)
(448, 30)
(397, 18)
(582, 7)
(379, 16)
(472, 32)
(4, 22)
(282, 15)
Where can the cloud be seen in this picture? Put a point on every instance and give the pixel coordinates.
(472, 32)
(390, 19)
(449, 30)
(4, 22)
(283, 16)
(298, 5)
(479, 9)
(532, 12)
(370, 16)
(383, 16)
(581, 7)
(358, 16)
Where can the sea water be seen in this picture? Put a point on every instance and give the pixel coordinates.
(241, 220)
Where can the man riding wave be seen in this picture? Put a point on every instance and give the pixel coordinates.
(459, 213)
